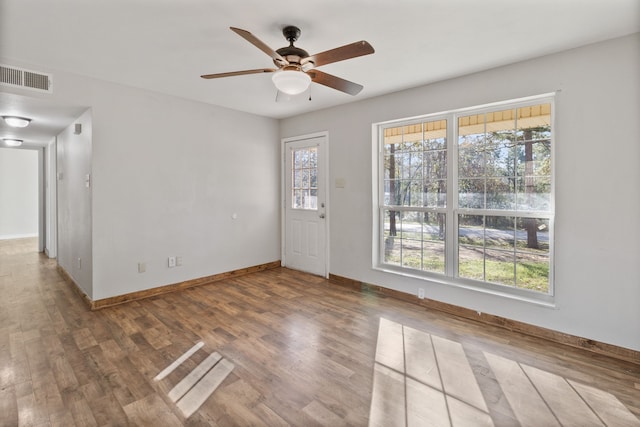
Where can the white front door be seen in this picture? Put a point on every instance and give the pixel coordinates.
(305, 223)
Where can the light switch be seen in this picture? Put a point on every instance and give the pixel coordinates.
(340, 182)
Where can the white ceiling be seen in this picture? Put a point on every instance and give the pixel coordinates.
(165, 45)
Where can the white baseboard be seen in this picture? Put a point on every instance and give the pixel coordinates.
(16, 236)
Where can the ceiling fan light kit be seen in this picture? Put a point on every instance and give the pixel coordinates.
(296, 68)
(291, 82)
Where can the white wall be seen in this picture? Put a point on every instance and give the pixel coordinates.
(74, 153)
(51, 199)
(597, 197)
(18, 193)
(168, 176)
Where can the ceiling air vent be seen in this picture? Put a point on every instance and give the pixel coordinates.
(19, 77)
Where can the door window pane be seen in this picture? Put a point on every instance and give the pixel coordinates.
(304, 178)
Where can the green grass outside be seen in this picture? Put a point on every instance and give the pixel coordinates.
(529, 274)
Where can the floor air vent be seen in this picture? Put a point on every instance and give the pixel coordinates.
(18, 77)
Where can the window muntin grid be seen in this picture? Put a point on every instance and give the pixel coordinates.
(495, 228)
(304, 178)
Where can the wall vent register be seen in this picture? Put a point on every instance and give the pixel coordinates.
(28, 79)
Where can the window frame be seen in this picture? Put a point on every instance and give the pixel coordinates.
(452, 209)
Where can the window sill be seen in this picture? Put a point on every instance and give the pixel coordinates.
(522, 295)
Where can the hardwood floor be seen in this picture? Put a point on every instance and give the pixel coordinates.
(299, 351)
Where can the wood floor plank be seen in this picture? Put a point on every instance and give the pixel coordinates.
(29, 411)
(112, 350)
(269, 416)
(463, 414)
(387, 400)
(183, 357)
(457, 376)
(82, 414)
(53, 346)
(606, 406)
(136, 383)
(106, 410)
(565, 403)
(426, 406)
(238, 390)
(8, 406)
(194, 376)
(47, 391)
(321, 415)
(16, 343)
(64, 373)
(84, 338)
(151, 411)
(235, 401)
(390, 347)
(14, 371)
(420, 358)
(194, 398)
(528, 406)
(92, 391)
(63, 419)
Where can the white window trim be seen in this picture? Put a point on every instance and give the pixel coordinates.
(452, 210)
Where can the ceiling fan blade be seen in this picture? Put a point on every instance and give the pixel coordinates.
(335, 82)
(349, 51)
(238, 73)
(260, 45)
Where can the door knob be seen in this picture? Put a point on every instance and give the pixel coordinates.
(321, 215)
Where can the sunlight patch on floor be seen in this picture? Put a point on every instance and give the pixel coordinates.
(196, 387)
(422, 379)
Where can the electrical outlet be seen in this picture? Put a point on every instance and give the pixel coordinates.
(178, 261)
(79, 263)
(142, 267)
(171, 261)
(421, 293)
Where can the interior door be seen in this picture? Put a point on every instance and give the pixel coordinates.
(305, 222)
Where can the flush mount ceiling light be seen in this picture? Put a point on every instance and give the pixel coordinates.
(291, 82)
(12, 142)
(16, 122)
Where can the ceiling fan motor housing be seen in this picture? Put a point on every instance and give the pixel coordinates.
(294, 55)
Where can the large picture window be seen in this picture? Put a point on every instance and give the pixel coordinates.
(467, 196)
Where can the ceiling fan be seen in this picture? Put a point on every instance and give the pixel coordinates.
(296, 68)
